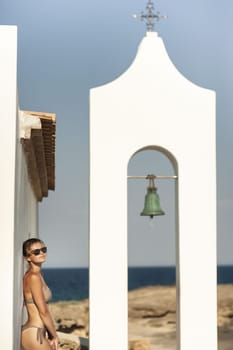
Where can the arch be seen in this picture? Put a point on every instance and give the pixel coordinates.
(161, 149)
(172, 161)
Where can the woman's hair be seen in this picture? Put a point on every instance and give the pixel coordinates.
(28, 243)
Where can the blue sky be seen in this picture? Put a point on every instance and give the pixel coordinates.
(66, 47)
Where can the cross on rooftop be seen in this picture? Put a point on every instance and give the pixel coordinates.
(150, 16)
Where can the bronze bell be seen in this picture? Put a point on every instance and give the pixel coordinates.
(152, 204)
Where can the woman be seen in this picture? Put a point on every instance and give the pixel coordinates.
(36, 295)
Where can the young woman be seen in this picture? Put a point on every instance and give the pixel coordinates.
(39, 332)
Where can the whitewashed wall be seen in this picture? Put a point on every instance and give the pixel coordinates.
(8, 59)
(26, 226)
(18, 206)
(153, 106)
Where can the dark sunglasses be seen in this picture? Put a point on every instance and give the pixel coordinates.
(37, 251)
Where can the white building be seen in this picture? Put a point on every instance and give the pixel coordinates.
(27, 153)
(152, 106)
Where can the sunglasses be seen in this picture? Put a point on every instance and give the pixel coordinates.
(37, 251)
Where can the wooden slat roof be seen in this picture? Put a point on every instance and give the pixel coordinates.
(39, 147)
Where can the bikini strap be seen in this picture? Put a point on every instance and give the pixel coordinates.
(41, 334)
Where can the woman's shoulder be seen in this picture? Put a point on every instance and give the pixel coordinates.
(32, 277)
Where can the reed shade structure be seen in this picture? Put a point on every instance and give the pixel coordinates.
(39, 147)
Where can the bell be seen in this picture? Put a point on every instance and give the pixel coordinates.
(152, 205)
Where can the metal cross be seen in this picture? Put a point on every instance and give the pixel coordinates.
(150, 16)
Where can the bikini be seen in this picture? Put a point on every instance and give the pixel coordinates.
(41, 331)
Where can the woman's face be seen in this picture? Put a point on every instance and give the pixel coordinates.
(37, 253)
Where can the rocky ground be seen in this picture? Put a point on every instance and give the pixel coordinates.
(152, 319)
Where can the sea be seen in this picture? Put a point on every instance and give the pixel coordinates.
(72, 283)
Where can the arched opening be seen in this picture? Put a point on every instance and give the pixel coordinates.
(152, 253)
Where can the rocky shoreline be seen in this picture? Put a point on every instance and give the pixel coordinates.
(152, 319)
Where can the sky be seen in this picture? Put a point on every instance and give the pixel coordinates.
(67, 47)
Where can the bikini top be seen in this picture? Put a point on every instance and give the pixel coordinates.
(47, 295)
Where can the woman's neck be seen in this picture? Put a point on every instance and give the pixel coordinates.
(36, 268)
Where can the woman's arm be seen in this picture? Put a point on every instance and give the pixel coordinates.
(36, 288)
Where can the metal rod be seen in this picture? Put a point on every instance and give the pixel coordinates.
(154, 176)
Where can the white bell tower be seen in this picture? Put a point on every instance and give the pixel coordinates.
(152, 106)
